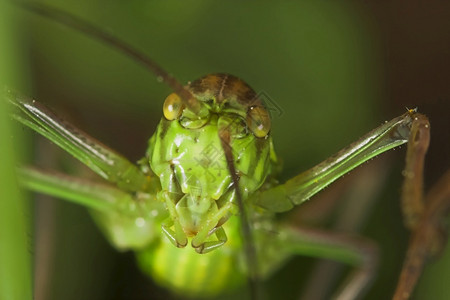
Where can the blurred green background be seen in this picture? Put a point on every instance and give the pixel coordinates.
(15, 232)
(334, 71)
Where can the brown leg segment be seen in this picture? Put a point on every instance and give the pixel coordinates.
(429, 238)
(424, 218)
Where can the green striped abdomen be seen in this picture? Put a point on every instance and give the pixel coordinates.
(186, 272)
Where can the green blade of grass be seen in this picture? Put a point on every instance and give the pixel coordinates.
(15, 262)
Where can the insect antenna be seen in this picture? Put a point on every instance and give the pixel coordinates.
(91, 30)
(247, 236)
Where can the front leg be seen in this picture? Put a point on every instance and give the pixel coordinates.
(102, 160)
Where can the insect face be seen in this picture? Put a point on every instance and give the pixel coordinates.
(186, 154)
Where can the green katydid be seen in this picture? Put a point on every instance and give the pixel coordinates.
(201, 119)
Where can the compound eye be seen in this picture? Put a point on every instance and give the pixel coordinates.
(258, 120)
(173, 107)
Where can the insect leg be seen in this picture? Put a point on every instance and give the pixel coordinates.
(354, 200)
(99, 158)
(85, 27)
(130, 220)
(199, 243)
(81, 191)
(354, 251)
(429, 238)
(425, 217)
(176, 236)
(412, 190)
(303, 186)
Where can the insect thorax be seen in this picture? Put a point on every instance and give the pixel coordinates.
(190, 160)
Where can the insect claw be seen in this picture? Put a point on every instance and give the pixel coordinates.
(181, 245)
(198, 248)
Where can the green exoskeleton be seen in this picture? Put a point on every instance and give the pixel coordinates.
(199, 208)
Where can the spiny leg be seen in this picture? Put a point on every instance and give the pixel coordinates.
(102, 160)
